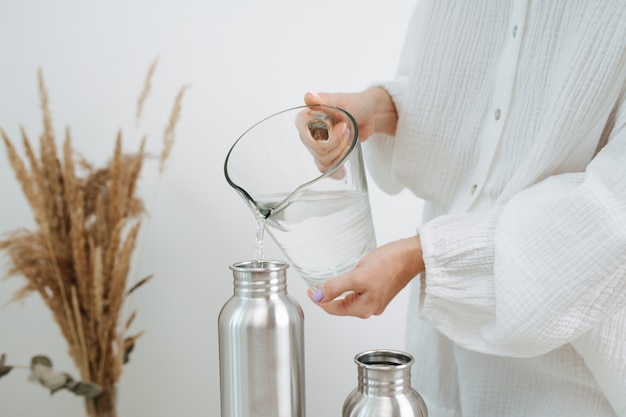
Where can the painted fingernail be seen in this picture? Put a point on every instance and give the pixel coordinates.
(318, 295)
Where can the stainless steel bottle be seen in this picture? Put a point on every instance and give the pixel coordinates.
(384, 387)
(261, 345)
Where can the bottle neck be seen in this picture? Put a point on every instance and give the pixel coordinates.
(384, 372)
(259, 279)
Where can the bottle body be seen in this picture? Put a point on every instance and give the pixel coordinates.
(261, 345)
(384, 387)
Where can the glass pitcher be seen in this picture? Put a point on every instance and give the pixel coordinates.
(301, 172)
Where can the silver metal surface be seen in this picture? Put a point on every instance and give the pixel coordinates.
(384, 387)
(261, 345)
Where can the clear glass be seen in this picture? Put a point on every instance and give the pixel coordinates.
(316, 210)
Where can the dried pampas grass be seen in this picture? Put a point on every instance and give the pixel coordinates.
(78, 259)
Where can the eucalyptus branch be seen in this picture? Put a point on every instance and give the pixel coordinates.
(41, 371)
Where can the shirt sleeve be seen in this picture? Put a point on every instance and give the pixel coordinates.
(544, 269)
(378, 149)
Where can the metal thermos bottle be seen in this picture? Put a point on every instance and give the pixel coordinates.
(384, 387)
(261, 345)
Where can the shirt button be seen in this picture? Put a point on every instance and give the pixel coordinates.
(473, 189)
(514, 30)
(497, 114)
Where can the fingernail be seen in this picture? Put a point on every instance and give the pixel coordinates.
(318, 295)
(316, 95)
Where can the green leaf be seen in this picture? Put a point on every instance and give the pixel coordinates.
(41, 360)
(87, 389)
(5, 370)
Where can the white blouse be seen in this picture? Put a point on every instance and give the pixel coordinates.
(512, 128)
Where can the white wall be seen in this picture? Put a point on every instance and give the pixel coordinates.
(243, 60)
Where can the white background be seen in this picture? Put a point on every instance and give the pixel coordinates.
(242, 60)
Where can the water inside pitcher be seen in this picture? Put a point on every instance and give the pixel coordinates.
(316, 208)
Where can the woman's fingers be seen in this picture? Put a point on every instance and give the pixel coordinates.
(327, 142)
(374, 282)
(311, 99)
(348, 304)
(328, 153)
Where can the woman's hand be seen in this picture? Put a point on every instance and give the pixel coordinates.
(374, 282)
(325, 138)
(373, 110)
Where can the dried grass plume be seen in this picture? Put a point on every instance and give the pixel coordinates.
(78, 258)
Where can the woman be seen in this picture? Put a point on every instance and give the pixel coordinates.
(509, 120)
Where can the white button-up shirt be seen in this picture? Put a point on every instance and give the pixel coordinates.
(512, 128)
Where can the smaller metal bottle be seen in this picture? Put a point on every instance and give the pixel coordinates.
(261, 345)
(384, 387)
